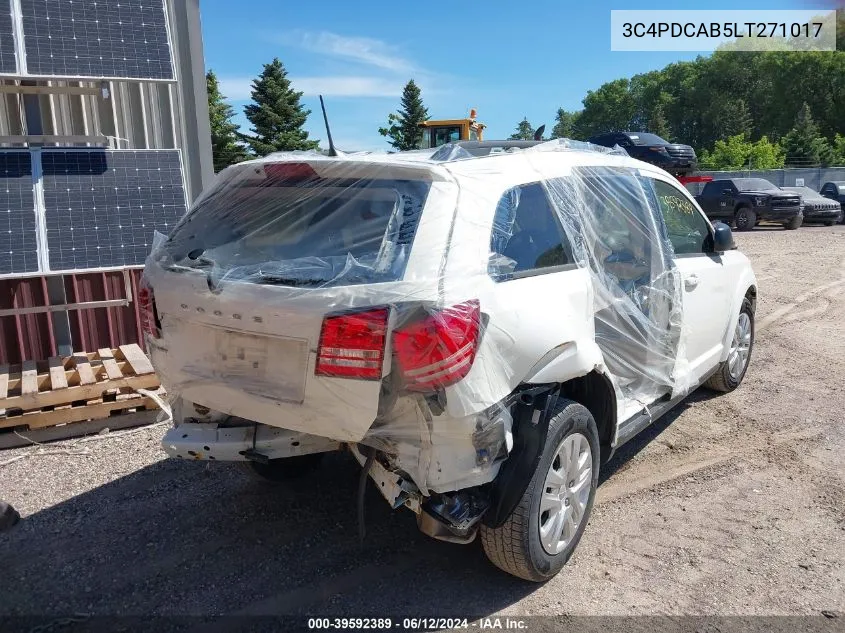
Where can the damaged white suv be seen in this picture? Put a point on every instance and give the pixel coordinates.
(481, 326)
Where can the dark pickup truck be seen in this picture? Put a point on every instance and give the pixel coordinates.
(748, 201)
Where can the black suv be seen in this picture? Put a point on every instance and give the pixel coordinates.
(675, 158)
(747, 201)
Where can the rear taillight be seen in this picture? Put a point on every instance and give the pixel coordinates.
(439, 350)
(147, 309)
(352, 345)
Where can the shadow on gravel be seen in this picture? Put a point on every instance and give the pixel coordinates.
(183, 538)
(179, 538)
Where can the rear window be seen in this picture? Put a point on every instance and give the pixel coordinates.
(308, 232)
(646, 139)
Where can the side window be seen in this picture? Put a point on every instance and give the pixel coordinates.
(711, 190)
(527, 236)
(623, 141)
(688, 230)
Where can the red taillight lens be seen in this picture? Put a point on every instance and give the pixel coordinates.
(147, 309)
(352, 345)
(439, 350)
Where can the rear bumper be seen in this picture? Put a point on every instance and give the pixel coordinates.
(216, 443)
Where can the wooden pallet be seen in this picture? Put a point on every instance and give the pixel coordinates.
(85, 386)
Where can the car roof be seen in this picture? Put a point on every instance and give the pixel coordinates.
(503, 164)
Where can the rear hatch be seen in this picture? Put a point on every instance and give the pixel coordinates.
(275, 295)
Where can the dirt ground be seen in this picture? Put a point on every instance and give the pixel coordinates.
(732, 505)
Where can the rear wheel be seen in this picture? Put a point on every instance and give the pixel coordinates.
(793, 224)
(540, 535)
(730, 373)
(279, 470)
(745, 219)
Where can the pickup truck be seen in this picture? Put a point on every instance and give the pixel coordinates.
(747, 201)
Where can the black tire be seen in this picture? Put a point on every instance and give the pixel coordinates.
(793, 224)
(745, 219)
(515, 546)
(829, 223)
(722, 379)
(281, 470)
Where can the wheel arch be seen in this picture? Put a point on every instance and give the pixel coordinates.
(747, 290)
(532, 404)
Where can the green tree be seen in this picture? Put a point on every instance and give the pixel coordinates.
(803, 145)
(737, 152)
(733, 117)
(611, 108)
(226, 146)
(565, 124)
(838, 147)
(403, 127)
(728, 154)
(766, 155)
(524, 131)
(658, 124)
(276, 114)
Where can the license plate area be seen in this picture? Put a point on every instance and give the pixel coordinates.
(264, 366)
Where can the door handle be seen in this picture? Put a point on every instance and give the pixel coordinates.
(691, 282)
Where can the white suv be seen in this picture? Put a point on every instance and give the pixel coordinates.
(481, 327)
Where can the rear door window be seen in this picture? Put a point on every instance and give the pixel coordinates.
(312, 232)
(527, 238)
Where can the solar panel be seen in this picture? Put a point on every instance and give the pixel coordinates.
(97, 38)
(18, 246)
(102, 207)
(8, 61)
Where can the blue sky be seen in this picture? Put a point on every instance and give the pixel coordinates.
(506, 59)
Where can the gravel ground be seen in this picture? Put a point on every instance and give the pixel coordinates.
(731, 505)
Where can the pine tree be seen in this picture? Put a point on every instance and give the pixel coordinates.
(403, 127)
(734, 118)
(804, 146)
(226, 147)
(564, 124)
(276, 114)
(524, 131)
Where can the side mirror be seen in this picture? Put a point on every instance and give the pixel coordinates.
(723, 239)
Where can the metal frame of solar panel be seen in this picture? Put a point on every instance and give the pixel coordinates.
(102, 207)
(8, 40)
(96, 39)
(18, 226)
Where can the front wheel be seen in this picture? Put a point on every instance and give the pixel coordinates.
(731, 372)
(745, 219)
(540, 535)
(793, 224)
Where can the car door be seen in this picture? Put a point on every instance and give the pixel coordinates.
(634, 282)
(706, 279)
